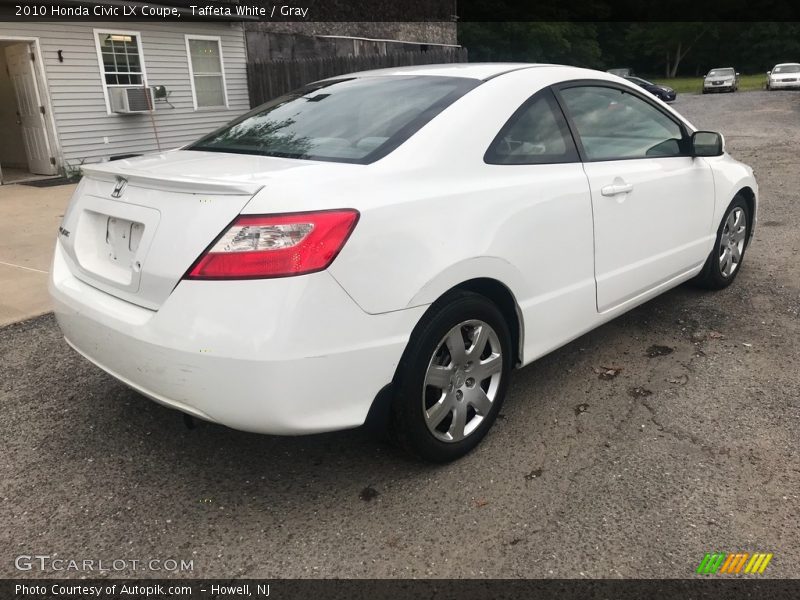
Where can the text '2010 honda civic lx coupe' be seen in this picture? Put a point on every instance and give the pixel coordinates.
(394, 243)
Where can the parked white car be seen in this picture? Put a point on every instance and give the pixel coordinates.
(784, 76)
(392, 244)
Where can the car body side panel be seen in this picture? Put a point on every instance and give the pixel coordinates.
(534, 234)
(468, 218)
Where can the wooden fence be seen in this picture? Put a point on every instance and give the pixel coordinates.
(267, 80)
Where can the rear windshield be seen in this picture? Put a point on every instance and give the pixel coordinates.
(346, 120)
(787, 69)
(721, 72)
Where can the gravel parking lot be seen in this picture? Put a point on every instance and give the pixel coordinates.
(691, 448)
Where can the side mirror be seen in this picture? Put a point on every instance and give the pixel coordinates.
(768, 72)
(738, 74)
(707, 143)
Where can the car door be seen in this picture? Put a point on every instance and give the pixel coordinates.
(652, 201)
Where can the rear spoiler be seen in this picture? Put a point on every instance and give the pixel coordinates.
(113, 171)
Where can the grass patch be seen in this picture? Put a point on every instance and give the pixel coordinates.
(694, 85)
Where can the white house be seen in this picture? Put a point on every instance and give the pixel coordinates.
(82, 92)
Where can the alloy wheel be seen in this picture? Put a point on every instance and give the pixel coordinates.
(731, 244)
(462, 380)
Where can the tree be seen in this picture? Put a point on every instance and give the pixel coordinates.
(668, 43)
(648, 47)
(554, 42)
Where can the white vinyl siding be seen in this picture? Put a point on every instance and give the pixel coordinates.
(207, 71)
(77, 91)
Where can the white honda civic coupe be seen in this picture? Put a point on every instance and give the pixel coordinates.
(387, 246)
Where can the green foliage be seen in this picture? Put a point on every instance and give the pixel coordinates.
(553, 42)
(667, 44)
(72, 172)
(668, 48)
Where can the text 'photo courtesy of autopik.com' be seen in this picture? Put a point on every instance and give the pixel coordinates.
(385, 300)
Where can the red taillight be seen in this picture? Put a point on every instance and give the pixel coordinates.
(260, 246)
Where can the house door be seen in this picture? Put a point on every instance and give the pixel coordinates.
(29, 109)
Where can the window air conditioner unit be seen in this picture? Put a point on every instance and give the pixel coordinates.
(130, 100)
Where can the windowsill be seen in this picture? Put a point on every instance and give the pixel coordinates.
(211, 108)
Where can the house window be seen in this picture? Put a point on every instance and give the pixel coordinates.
(120, 58)
(206, 71)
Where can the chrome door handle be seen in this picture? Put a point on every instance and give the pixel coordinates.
(616, 189)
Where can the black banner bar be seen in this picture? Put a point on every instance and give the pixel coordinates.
(235, 10)
(714, 587)
(401, 11)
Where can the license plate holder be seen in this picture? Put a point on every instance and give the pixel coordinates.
(123, 238)
(111, 241)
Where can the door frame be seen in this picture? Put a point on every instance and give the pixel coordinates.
(44, 94)
(686, 128)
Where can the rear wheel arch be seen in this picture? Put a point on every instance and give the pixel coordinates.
(494, 278)
(496, 292)
(499, 294)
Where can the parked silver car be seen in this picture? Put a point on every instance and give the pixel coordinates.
(784, 76)
(724, 79)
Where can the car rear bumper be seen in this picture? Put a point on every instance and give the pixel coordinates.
(282, 356)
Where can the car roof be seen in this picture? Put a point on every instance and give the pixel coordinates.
(480, 71)
(486, 71)
(721, 68)
(787, 64)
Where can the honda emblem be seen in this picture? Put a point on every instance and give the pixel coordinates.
(119, 188)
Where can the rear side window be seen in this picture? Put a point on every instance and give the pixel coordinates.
(536, 134)
(616, 125)
(347, 120)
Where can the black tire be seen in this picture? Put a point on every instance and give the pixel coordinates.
(712, 277)
(411, 396)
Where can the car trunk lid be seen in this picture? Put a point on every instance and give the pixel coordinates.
(134, 228)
